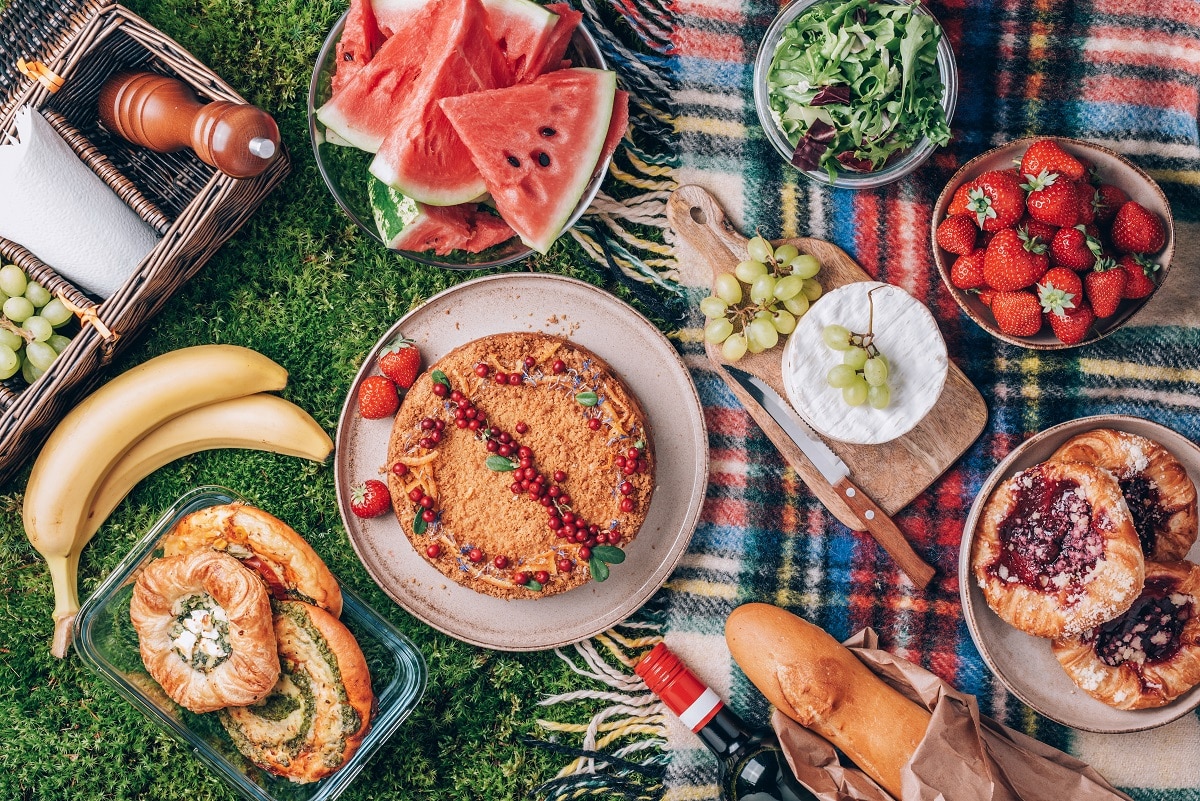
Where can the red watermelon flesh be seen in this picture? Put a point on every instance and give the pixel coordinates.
(519, 28)
(361, 112)
(554, 54)
(443, 229)
(360, 39)
(490, 231)
(617, 125)
(422, 156)
(393, 15)
(537, 145)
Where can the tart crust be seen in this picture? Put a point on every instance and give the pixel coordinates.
(1056, 552)
(1131, 677)
(579, 420)
(1160, 495)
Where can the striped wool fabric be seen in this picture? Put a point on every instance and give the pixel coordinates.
(1118, 73)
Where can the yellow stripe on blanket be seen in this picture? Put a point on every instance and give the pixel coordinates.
(1139, 372)
(709, 589)
(1189, 177)
(713, 127)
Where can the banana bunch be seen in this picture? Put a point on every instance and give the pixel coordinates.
(180, 403)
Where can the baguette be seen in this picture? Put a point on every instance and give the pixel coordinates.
(815, 680)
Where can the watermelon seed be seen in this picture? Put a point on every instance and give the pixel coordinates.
(548, 131)
(514, 161)
(543, 159)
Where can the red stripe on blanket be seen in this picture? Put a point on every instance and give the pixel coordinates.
(1159, 94)
(721, 13)
(714, 46)
(725, 512)
(1139, 48)
(867, 213)
(1185, 11)
(731, 422)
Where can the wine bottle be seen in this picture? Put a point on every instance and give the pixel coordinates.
(750, 764)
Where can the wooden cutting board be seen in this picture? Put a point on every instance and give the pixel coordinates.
(893, 473)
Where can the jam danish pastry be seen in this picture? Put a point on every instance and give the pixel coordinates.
(1149, 655)
(1160, 495)
(204, 630)
(1056, 552)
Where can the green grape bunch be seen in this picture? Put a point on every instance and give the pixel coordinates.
(761, 300)
(863, 373)
(29, 321)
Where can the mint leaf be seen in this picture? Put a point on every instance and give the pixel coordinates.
(500, 464)
(587, 398)
(599, 569)
(608, 553)
(440, 378)
(419, 524)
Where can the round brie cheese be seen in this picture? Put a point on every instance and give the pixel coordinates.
(905, 333)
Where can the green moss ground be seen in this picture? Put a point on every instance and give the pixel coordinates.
(300, 284)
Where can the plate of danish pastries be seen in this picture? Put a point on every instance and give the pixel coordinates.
(226, 628)
(1080, 574)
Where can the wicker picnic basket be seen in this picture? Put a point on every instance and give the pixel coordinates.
(194, 207)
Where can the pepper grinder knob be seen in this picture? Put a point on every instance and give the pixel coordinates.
(164, 115)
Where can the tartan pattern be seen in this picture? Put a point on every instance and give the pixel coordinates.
(1124, 75)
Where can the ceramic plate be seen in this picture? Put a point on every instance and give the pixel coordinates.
(1023, 662)
(649, 365)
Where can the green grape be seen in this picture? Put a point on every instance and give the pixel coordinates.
(38, 327)
(58, 342)
(876, 372)
(880, 397)
(11, 339)
(712, 306)
(841, 376)
(728, 288)
(788, 287)
(734, 348)
(836, 336)
(764, 331)
(13, 281)
(37, 294)
(29, 372)
(749, 269)
(18, 309)
(812, 289)
(785, 253)
(763, 289)
(805, 266)
(718, 330)
(883, 360)
(797, 305)
(753, 345)
(856, 393)
(9, 362)
(784, 322)
(760, 249)
(56, 312)
(855, 357)
(40, 355)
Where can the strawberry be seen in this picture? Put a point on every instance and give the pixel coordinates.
(1013, 260)
(1052, 199)
(1017, 314)
(1141, 275)
(370, 498)
(1048, 156)
(1059, 290)
(1084, 193)
(986, 296)
(960, 202)
(1105, 285)
(401, 362)
(1043, 231)
(957, 234)
(1072, 327)
(1074, 249)
(1106, 199)
(996, 201)
(1136, 229)
(377, 397)
(967, 270)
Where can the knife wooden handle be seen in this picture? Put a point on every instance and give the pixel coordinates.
(886, 533)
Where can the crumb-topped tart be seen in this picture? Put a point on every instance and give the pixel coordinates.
(1056, 552)
(520, 465)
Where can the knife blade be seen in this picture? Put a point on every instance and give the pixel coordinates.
(835, 471)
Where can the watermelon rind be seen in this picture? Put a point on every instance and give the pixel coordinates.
(405, 224)
(393, 212)
(506, 125)
(520, 28)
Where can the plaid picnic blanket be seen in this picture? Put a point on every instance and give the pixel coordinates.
(1121, 74)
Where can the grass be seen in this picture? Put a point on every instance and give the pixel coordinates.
(299, 283)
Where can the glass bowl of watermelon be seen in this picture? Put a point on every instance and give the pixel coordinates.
(464, 134)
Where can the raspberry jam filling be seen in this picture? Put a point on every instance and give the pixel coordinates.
(1150, 632)
(1047, 541)
(1149, 516)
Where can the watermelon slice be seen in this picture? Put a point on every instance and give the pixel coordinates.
(554, 53)
(519, 28)
(537, 145)
(422, 156)
(616, 125)
(393, 15)
(360, 40)
(404, 224)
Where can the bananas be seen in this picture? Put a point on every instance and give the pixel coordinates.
(97, 453)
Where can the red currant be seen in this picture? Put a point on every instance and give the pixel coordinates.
(500, 561)
(594, 424)
(400, 468)
(415, 494)
(429, 515)
(482, 370)
(475, 555)
(554, 491)
(524, 452)
(554, 524)
(560, 476)
(427, 424)
(541, 577)
(522, 578)
(473, 425)
(514, 379)
(585, 553)
(492, 446)
(627, 504)
(619, 460)
(456, 396)
(522, 428)
(439, 425)
(515, 487)
(460, 423)
(626, 488)
(433, 551)
(629, 469)
(632, 453)
(559, 366)
(564, 565)
(530, 361)
(441, 390)
(426, 502)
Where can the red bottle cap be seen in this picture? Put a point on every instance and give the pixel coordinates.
(678, 687)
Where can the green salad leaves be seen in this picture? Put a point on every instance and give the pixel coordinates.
(855, 82)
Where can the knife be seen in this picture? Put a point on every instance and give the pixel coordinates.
(837, 473)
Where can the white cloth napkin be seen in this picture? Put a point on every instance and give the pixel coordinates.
(52, 204)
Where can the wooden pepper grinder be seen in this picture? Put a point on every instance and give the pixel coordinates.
(164, 115)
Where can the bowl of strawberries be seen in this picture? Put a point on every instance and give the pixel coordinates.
(1050, 242)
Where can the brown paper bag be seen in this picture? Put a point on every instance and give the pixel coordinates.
(963, 757)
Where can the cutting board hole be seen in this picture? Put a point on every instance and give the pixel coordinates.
(698, 216)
